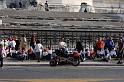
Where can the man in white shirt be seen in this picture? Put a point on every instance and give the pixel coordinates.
(38, 50)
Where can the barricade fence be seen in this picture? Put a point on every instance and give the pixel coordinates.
(51, 38)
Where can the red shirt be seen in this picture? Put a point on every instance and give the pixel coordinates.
(100, 44)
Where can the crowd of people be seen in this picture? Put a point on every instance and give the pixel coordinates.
(19, 49)
(23, 4)
(104, 48)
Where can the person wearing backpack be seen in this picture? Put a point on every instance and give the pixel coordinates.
(109, 46)
(109, 43)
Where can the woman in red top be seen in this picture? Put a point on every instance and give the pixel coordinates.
(100, 44)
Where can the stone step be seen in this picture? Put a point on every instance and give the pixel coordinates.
(43, 14)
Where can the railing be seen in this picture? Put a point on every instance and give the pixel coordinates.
(52, 37)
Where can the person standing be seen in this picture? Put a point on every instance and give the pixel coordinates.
(9, 45)
(17, 44)
(1, 55)
(109, 43)
(23, 43)
(121, 49)
(20, 4)
(38, 50)
(33, 41)
(46, 6)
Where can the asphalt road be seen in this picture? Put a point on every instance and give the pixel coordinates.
(62, 73)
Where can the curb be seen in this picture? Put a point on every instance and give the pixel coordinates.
(101, 65)
(32, 65)
(46, 64)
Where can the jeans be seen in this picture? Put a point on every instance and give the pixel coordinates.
(38, 55)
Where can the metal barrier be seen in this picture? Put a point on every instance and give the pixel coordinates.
(51, 37)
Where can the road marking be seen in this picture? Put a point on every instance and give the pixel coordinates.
(59, 80)
(69, 80)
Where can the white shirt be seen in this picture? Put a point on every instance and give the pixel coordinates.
(38, 48)
(49, 51)
(62, 45)
(12, 43)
